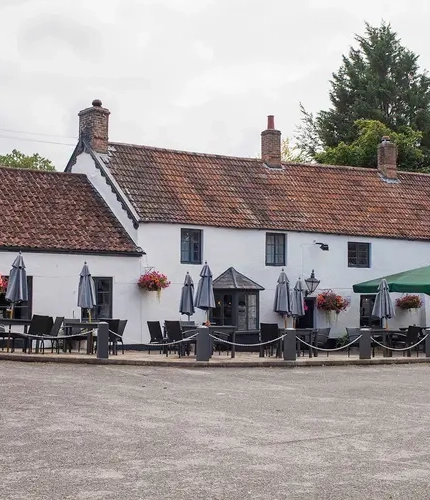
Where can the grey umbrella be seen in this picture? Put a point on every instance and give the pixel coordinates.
(205, 293)
(383, 307)
(17, 290)
(282, 303)
(298, 300)
(186, 305)
(86, 290)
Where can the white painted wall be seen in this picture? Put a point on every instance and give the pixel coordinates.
(56, 278)
(85, 165)
(245, 251)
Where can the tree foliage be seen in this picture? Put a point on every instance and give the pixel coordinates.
(379, 81)
(291, 153)
(16, 159)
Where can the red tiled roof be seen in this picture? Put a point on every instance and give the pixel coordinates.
(57, 211)
(199, 189)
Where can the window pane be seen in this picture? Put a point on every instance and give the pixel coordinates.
(228, 309)
(275, 249)
(241, 312)
(191, 246)
(252, 311)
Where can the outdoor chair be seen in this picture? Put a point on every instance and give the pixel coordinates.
(321, 339)
(268, 332)
(55, 330)
(40, 325)
(223, 333)
(188, 323)
(156, 334)
(351, 335)
(75, 331)
(308, 336)
(174, 334)
(116, 331)
(412, 336)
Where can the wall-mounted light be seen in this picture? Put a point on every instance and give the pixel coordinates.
(311, 283)
(323, 246)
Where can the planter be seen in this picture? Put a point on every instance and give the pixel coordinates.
(153, 281)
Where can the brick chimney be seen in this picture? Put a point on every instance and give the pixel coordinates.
(387, 158)
(94, 126)
(271, 144)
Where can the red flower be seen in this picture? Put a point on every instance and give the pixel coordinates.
(409, 302)
(153, 281)
(330, 301)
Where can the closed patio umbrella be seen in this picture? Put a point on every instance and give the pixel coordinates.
(86, 290)
(282, 303)
(298, 300)
(205, 299)
(383, 307)
(17, 289)
(186, 305)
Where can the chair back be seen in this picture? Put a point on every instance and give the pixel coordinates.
(174, 330)
(268, 331)
(188, 323)
(155, 331)
(40, 325)
(121, 327)
(353, 333)
(321, 336)
(55, 330)
(75, 329)
(412, 334)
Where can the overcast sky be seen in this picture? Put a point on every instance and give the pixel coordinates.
(199, 75)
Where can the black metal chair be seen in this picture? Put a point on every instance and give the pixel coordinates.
(321, 339)
(268, 332)
(116, 331)
(156, 334)
(351, 335)
(412, 336)
(55, 330)
(174, 334)
(75, 331)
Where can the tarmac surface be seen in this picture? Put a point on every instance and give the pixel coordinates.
(131, 432)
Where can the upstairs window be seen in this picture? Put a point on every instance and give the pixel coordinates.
(275, 249)
(358, 254)
(191, 246)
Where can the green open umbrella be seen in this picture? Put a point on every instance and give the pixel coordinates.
(412, 281)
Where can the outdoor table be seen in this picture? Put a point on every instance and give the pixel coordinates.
(386, 336)
(309, 336)
(17, 322)
(82, 324)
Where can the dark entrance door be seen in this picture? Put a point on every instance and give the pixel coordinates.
(307, 321)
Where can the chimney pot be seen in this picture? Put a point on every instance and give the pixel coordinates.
(387, 158)
(271, 144)
(94, 126)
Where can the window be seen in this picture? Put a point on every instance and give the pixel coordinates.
(275, 249)
(358, 254)
(22, 310)
(103, 309)
(238, 308)
(191, 246)
(366, 307)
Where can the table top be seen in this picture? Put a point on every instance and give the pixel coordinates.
(14, 321)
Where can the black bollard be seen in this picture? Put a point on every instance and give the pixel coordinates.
(103, 340)
(290, 352)
(365, 346)
(203, 344)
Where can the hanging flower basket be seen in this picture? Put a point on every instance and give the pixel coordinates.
(329, 301)
(3, 284)
(409, 302)
(153, 281)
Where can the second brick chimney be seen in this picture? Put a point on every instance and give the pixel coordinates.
(94, 126)
(387, 158)
(271, 144)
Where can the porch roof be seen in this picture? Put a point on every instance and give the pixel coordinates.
(233, 280)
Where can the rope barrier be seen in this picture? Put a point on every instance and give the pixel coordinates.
(187, 339)
(395, 349)
(329, 350)
(246, 345)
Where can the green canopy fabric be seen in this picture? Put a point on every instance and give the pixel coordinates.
(412, 281)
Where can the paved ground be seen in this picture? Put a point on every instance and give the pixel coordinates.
(123, 432)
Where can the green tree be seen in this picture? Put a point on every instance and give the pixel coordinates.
(290, 153)
(380, 80)
(362, 152)
(16, 159)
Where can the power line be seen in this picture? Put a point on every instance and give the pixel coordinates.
(36, 140)
(37, 133)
